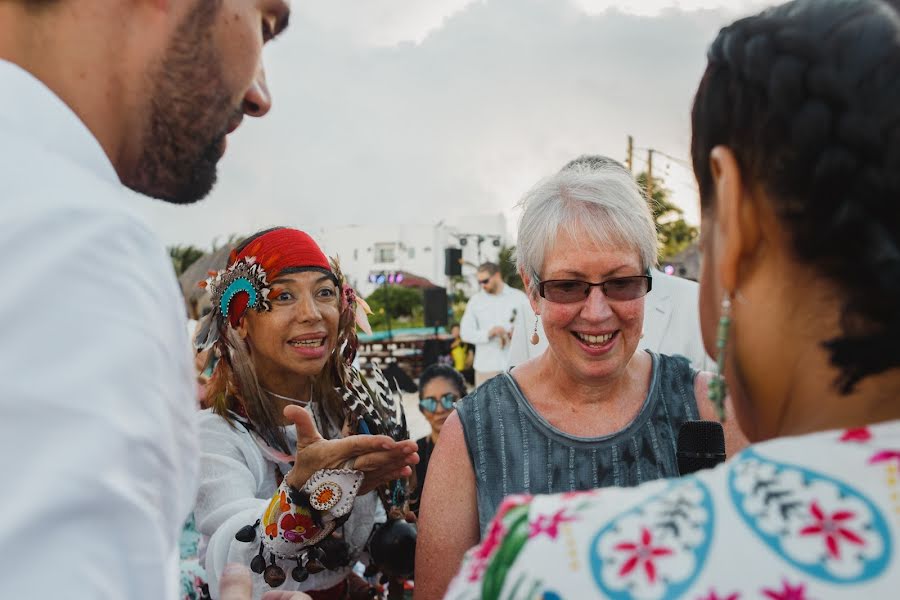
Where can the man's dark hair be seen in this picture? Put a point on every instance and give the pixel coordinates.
(489, 267)
(807, 97)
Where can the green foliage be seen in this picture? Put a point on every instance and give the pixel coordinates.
(674, 233)
(506, 260)
(402, 306)
(183, 256)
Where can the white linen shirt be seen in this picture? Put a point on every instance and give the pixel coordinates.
(486, 311)
(96, 386)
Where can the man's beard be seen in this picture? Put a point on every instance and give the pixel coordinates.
(190, 110)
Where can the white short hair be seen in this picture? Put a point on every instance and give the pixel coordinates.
(602, 199)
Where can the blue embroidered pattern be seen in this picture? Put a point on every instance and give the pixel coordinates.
(235, 287)
(765, 485)
(686, 504)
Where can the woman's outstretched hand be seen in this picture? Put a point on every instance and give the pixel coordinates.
(380, 458)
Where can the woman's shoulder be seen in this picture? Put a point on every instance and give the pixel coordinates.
(494, 389)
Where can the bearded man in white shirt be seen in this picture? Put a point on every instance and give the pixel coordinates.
(96, 385)
(489, 319)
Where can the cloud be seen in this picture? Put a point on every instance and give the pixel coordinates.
(456, 109)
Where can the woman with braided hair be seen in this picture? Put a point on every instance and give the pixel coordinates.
(286, 484)
(796, 149)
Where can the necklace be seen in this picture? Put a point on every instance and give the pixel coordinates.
(303, 403)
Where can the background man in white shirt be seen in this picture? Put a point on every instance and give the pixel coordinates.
(96, 383)
(489, 321)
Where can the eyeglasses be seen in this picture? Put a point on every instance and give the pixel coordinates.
(567, 291)
(430, 404)
(484, 281)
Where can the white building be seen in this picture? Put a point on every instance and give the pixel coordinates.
(365, 250)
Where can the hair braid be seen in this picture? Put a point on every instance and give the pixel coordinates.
(807, 96)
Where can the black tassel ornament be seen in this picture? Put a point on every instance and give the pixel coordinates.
(258, 564)
(299, 574)
(247, 533)
(274, 574)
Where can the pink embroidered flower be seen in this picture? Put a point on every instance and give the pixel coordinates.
(884, 456)
(861, 434)
(643, 553)
(549, 525)
(482, 553)
(714, 596)
(833, 527)
(787, 592)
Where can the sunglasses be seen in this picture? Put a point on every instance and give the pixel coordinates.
(568, 291)
(429, 404)
(484, 281)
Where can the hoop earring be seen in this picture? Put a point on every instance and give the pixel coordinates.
(535, 338)
(717, 387)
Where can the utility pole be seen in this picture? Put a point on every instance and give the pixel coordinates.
(629, 159)
(650, 174)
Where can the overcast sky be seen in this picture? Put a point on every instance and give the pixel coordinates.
(410, 110)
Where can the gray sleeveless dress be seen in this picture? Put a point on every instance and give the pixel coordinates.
(515, 450)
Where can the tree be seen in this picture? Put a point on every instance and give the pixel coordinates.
(391, 303)
(674, 233)
(183, 256)
(509, 273)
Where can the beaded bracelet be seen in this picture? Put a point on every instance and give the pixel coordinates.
(297, 520)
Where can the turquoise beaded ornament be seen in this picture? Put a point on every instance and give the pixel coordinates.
(717, 387)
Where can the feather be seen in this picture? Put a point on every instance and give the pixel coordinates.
(208, 334)
(360, 315)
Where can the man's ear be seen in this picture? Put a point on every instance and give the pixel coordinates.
(737, 229)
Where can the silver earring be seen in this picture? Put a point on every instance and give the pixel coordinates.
(717, 388)
(535, 338)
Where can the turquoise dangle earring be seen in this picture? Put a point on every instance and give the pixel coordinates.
(717, 388)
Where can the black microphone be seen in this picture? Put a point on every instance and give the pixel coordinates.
(701, 445)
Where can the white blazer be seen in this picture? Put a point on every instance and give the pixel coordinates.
(671, 325)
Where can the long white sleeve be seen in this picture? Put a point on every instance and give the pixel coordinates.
(236, 485)
(97, 400)
(470, 330)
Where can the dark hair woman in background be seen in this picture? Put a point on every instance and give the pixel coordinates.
(440, 388)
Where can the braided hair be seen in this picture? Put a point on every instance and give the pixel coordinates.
(807, 97)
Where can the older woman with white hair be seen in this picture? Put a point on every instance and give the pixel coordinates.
(590, 411)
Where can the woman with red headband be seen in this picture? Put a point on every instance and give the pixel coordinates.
(285, 484)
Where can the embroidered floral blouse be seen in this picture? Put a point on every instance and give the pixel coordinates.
(797, 518)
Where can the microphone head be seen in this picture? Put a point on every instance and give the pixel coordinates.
(701, 445)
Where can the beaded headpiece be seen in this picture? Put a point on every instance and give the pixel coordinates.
(244, 284)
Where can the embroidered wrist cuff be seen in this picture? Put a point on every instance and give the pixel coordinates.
(296, 520)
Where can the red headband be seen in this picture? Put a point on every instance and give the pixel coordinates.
(275, 252)
(282, 249)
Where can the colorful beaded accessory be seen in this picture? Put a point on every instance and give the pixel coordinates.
(297, 522)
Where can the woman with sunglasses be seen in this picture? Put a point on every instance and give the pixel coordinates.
(796, 149)
(440, 387)
(591, 411)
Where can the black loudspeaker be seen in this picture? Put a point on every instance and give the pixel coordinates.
(435, 307)
(435, 350)
(452, 264)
